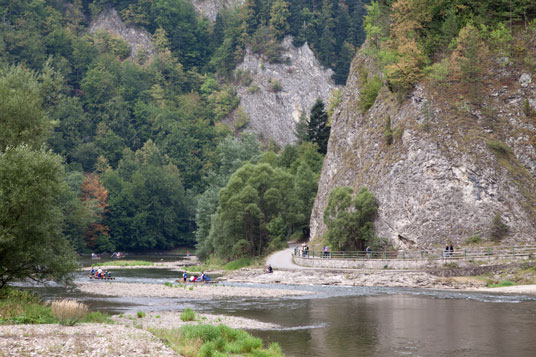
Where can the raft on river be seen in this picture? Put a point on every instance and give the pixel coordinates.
(102, 277)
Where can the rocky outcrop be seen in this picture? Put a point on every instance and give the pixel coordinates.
(211, 8)
(138, 39)
(448, 171)
(278, 93)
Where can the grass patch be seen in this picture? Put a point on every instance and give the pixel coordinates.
(124, 263)
(208, 340)
(237, 264)
(501, 284)
(188, 315)
(22, 307)
(68, 311)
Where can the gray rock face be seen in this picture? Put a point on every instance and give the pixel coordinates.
(210, 8)
(138, 39)
(438, 181)
(273, 114)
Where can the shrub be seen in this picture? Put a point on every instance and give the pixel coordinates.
(369, 93)
(498, 147)
(68, 311)
(498, 228)
(276, 86)
(188, 315)
(140, 314)
(474, 239)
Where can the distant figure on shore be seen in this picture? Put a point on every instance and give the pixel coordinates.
(451, 249)
(326, 251)
(447, 250)
(269, 269)
(184, 277)
(369, 252)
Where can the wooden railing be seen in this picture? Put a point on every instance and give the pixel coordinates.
(477, 253)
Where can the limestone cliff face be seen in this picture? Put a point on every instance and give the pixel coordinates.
(138, 39)
(443, 177)
(273, 113)
(210, 8)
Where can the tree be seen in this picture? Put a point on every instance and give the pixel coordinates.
(32, 244)
(350, 222)
(22, 116)
(94, 196)
(279, 15)
(318, 128)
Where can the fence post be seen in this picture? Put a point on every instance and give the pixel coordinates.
(489, 253)
(465, 253)
(422, 254)
(403, 255)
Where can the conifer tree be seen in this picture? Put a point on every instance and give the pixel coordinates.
(318, 129)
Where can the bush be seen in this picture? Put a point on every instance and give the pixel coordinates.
(188, 315)
(275, 86)
(369, 93)
(498, 147)
(498, 228)
(140, 314)
(68, 311)
(474, 239)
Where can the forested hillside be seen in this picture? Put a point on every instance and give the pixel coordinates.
(438, 122)
(142, 138)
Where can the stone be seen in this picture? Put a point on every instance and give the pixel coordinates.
(525, 80)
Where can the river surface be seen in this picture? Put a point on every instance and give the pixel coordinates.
(357, 321)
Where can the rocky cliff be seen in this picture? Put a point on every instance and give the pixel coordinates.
(138, 39)
(276, 94)
(449, 169)
(211, 8)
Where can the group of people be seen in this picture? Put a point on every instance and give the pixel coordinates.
(449, 250)
(194, 278)
(304, 250)
(99, 273)
(117, 255)
(268, 269)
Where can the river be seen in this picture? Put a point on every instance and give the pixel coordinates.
(358, 321)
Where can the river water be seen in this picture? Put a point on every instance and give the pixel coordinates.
(358, 321)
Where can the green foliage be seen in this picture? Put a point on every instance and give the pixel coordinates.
(31, 217)
(22, 112)
(318, 129)
(238, 264)
(208, 340)
(140, 314)
(501, 284)
(188, 315)
(262, 204)
(23, 307)
(498, 228)
(350, 222)
(498, 148)
(474, 239)
(369, 92)
(275, 85)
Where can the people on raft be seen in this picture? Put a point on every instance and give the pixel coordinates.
(100, 274)
(269, 269)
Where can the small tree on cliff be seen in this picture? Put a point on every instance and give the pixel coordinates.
(350, 222)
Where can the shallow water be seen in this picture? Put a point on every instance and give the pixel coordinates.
(357, 321)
